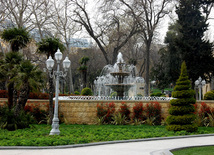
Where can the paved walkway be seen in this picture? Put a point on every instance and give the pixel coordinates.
(151, 146)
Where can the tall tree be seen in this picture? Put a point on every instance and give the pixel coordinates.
(49, 46)
(8, 71)
(148, 15)
(111, 33)
(18, 38)
(194, 49)
(167, 70)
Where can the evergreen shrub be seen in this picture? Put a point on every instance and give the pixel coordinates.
(209, 95)
(182, 116)
(86, 91)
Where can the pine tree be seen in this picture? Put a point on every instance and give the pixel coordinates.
(182, 110)
(194, 49)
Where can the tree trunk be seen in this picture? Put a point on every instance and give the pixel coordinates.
(10, 95)
(23, 97)
(147, 69)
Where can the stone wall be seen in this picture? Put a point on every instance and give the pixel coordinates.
(84, 111)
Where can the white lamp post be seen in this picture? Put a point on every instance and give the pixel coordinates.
(200, 83)
(58, 73)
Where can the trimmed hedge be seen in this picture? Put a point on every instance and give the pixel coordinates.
(86, 91)
(182, 110)
(209, 95)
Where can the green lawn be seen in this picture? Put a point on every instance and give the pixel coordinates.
(38, 135)
(206, 150)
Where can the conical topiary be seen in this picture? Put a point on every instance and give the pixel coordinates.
(182, 110)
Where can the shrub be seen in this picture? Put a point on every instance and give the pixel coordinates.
(209, 95)
(76, 93)
(205, 115)
(119, 119)
(182, 110)
(124, 111)
(106, 112)
(86, 91)
(138, 111)
(153, 113)
(9, 121)
(158, 94)
(3, 94)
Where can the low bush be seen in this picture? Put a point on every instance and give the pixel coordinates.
(158, 94)
(3, 94)
(9, 121)
(205, 115)
(106, 112)
(153, 113)
(86, 91)
(138, 112)
(209, 95)
(76, 93)
(124, 111)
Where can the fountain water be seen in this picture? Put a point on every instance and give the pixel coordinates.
(120, 78)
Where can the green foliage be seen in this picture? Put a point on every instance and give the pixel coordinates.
(39, 134)
(119, 119)
(76, 93)
(49, 46)
(191, 43)
(9, 121)
(17, 37)
(181, 112)
(86, 91)
(195, 150)
(158, 94)
(209, 95)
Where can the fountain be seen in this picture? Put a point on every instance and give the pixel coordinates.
(120, 78)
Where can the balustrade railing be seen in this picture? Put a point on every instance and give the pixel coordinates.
(138, 98)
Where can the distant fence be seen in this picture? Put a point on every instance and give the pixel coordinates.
(130, 98)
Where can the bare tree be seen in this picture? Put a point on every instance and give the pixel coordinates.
(111, 32)
(65, 29)
(148, 14)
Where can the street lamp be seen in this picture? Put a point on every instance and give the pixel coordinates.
(58, 73)
(200, 83)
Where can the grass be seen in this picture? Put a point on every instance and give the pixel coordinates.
(38, 135)
(205, 150)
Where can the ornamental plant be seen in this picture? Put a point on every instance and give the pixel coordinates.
(153, 112)
(205, 115)
(181, 112)
(138, 111)
(106, 112)
(124, 110)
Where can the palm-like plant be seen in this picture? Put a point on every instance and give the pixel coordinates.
(29, 77)
(49, 46)
(8, 70)
(17, 37)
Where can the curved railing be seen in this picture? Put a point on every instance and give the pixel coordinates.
(115, 98)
